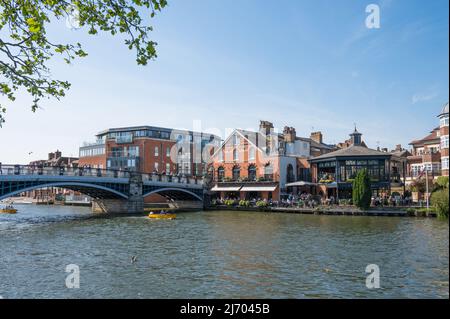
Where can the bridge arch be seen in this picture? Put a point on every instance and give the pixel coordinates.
(93, 190)
(168, 191)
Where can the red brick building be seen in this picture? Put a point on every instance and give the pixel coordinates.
(443, 131)
(149, 149)
(264, 164)
(431, 152)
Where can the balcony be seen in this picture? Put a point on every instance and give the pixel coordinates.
(263, 179)
(126, 139)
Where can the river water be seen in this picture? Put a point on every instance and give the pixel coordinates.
(220, 255)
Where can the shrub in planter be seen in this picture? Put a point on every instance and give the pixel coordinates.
(229, 202)
(244, 203)
(261, 203)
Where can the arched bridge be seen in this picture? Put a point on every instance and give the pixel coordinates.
(113, 191)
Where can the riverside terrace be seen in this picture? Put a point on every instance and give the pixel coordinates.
(309, 204)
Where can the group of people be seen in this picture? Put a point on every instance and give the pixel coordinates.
(385, 200)
(306, 200)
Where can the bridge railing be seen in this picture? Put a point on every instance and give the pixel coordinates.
(60, 171)
(172, 179)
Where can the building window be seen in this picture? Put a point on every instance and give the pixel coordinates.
(251, 153)
(168, 169)
(290, 177)
(131, 163)
(444, 141)
(236, 173)
(220, 155)
(157, 167)
(445, 163)
(168, 151)
(235, 155)
(156, 151)
(132, 151)
(252, 173)
(236, 139)
(220, 174)
(268, 172)
(444, 121)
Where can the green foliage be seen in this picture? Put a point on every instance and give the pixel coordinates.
(420, 185)
(439, 200)
(261, 203)
(361, 190)
(244, 203)
(442, 182)
(344, 202)
(230, 202)
(25, 48)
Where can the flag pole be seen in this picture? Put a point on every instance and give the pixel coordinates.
(427, 194)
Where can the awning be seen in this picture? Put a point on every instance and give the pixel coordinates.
(261, 188)
(226, 188)
(300, 183)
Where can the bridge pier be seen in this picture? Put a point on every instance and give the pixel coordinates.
(133, 205)
(118, 206)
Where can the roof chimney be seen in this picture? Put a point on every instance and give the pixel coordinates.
(317, 137)
(289, 134)
(398, 147)
(265, 127)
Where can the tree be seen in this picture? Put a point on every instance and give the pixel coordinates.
(442, 182)
(440, 201)
(361, 190)
(25, 48)
(439, 198)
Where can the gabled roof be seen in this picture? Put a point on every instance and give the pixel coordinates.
(352, 151)
(281, 137)
(432, 137)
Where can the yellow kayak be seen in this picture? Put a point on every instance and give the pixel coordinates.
(162, 216)
(8, 210)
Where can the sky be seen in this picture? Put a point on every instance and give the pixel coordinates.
(310, 64)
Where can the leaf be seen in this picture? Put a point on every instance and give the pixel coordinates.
(33, 25)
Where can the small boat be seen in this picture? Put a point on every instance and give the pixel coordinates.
(8, 210)
(162, 215)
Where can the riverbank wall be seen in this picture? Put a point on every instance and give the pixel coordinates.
(338, 211)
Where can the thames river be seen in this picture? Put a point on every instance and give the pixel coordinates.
(220, 255)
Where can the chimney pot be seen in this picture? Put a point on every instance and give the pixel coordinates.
(317, 137)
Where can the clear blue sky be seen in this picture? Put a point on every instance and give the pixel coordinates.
(308, 64)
